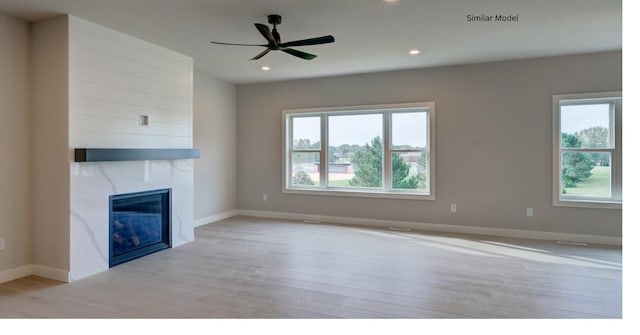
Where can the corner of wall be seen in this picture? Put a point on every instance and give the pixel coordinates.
(50, 142)
(215, 129)
(15, 225)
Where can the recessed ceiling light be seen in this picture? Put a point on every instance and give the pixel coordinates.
(414, 52)
(265, 68)
(390, 1)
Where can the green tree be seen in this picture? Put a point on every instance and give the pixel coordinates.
(596, 138)
(367, 164)
(302, 144)
(302, 178)
(343, 153)
(401, 177)
(305, 143)
(422, 171)
(576, 166)
(333, 154)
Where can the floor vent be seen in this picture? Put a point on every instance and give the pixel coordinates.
(399, 229)
(582, 244)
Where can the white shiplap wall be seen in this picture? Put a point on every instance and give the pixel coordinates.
(115, 78)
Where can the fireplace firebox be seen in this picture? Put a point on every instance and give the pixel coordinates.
(139, 224)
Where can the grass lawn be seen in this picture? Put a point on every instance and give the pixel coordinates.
(335, 183)
(596, 185)
(339, 183)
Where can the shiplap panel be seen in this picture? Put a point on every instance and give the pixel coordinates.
(98, 107)
(139, 67)
(103, 124)
(133, 82)
(121, 140)
(96, 89)
(119, 45)
(115, 78)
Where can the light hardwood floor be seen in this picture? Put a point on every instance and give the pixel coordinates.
(263, 268)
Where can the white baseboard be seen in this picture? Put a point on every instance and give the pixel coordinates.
(528, 234)
(214, 218)
(36, 270)
(12, 274)
(50, 273)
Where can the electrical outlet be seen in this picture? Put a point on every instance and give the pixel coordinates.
(265, 197)
(454, 208)
(529, 211)
(1, 243)
(143, 121)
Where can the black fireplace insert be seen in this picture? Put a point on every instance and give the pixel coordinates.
(139, 224)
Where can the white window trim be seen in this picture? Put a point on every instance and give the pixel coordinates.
(616, 171)
(368, 193)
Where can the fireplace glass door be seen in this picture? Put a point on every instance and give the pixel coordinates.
(140, 224)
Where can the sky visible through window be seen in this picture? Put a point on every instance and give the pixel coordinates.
(409, 129)
(360, 129)
(575, 118)
(354, 129)
(307, 128)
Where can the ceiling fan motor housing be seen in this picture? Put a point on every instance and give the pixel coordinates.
(274, 19)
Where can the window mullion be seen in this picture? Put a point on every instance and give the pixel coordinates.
(587, 150)
(612, 125)
(616, 158)
(387, 173)
(324, 150)
(289, 153)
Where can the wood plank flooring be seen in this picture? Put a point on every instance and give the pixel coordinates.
(264, 268)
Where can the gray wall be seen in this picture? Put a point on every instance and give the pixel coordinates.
(14, 143)
(493, 141)
(214, 133)
(50, 143)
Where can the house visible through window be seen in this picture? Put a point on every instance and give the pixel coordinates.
(588, 150)
(378, 151)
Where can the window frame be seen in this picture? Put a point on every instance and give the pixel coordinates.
(320, 151)
(386, 191)
(614, 98)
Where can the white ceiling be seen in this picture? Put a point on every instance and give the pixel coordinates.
(371, 35)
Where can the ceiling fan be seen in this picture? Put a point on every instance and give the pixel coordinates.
(273, 37)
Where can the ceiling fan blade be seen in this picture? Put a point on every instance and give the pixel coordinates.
(299, 53)
(310, 41)
(258, 56)
(276, 35)
(250, 45)
(264, 30)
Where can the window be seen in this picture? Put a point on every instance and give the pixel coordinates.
(370, 151)
(587, 138)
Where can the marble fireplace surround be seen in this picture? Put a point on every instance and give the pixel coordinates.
(92, 182)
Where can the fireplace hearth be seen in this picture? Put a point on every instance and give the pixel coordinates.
(139, 224)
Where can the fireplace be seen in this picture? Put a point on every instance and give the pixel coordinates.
(139, 224)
